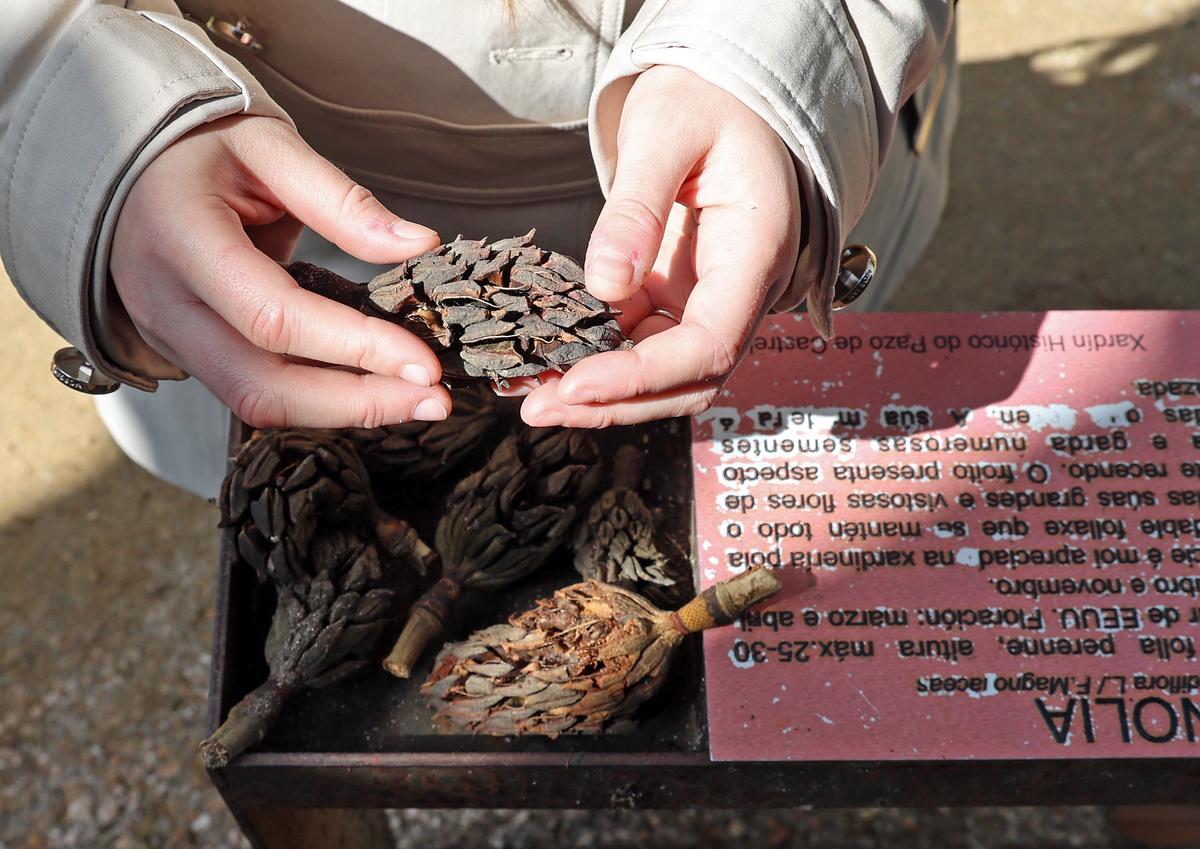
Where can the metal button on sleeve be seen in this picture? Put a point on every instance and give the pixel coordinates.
(71, 368)
(855, 275)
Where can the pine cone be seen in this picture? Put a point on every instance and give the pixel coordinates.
(497, 311)
(502, 523)
(578, 662)
(616, 543)
(323, 629)
(425, 451)
(284, 484)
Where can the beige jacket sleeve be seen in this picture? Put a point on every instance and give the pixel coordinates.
(90, 92)
(829, 76)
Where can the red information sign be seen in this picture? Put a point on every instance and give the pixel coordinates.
(988, 533)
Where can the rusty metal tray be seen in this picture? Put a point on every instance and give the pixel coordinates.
(370, 742)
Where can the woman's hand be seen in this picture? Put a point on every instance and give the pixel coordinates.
(193, 259)
(703, 223)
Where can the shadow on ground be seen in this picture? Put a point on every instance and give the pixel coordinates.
(105, 624)
(1074, 185)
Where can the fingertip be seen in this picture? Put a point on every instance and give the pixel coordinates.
(389, 239)
(540, 409)
(426, 359)
(430, 410)
(417, 375)
(610, 275)
(392, 351)
(443, 396)
(433, 405)
(518, 387)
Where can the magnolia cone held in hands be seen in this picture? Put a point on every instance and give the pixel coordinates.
(494, 310)
(578, 662)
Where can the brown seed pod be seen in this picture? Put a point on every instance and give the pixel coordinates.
(284, 484)
(577, 662)
(500, 524)
(324, 629)
(427, 451)
(618, 541)
(298, 507)
(494, 310)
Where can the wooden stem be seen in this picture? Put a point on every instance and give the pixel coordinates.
(400, 540)
(420, 630)
(721, 603)
(425, 624)
(248, 722)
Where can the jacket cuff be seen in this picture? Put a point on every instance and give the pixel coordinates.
(116, 88)
(803, 74)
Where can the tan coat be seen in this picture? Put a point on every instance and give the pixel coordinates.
(457, 116)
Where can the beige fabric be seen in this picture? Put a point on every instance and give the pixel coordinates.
(91, 91)
(455, 114)
(828, 76)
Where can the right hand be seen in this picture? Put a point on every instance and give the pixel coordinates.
(194, 260)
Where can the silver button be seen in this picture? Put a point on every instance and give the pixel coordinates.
(855, 275)
(71, 368)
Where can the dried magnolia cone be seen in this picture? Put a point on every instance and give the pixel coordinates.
(618, 541)
(284, 484)
(299, 507)
(579, 662)
(494, 310)
(324, 628)
(428, 450)
(501, 523)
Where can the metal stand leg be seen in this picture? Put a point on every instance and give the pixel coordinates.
(1158, 825)
(315, 828)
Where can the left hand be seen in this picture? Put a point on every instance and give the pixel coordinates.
(702, 222)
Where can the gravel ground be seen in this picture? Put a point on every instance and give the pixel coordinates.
(1058, 199)
(943, 828)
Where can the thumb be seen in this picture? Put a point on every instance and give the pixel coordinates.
(629, 232)
(319, 194)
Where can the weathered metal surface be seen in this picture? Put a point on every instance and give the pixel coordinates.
(688, 780)
(356, 746)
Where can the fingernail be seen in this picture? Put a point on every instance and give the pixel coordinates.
(609, 269)
(414, 373)
(429, 410)
(411, 230)
(515, 390)
(547, 418)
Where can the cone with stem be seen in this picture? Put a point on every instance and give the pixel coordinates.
(324, 628)
(582, 661)
(500, 524)
(298, 507)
